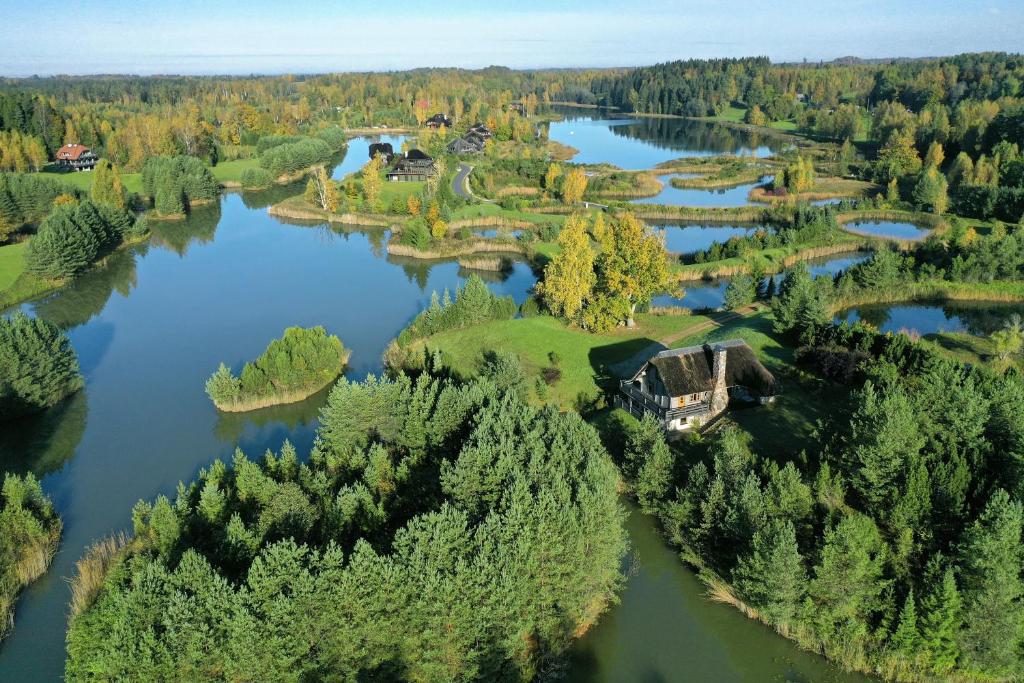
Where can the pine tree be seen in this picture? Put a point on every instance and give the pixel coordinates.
(771, 578)
(941, 618)
(906, 640)
(992, 588)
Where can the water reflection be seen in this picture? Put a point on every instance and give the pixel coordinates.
(43, 442)
(637, 143)
(726, 197)
(358, 152)
(977, 318)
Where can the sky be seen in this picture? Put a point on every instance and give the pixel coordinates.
(46, 37)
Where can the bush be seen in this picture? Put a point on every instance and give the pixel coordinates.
(416, 234)
(29, 534)
(334, 136)
(38, 367)
(302, 362)
(291, 157)
(256, 178)
(72, 237)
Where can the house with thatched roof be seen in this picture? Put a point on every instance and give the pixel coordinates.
(687, 387)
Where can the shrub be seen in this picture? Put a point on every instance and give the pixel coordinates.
(256, 178)
(291, 157)
(29, 534)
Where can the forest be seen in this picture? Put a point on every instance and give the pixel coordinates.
(439, 531)
(895, 544)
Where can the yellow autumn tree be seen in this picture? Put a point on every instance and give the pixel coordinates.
(551, 177)
(412, 203)
(632, 266)
(569, 278)
(322, 191)
(574, 185)
(372, 182)
(106, 185)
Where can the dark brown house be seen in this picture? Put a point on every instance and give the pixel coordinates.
(438, 120)
(74, 156)
(414, 166)
(687, 387)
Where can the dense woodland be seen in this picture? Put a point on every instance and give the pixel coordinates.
(896, 544)
(438, 532)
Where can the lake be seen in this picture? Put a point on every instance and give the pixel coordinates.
(719, 197)
(150, 327)
(888, 229)
(639, 143)
(978, 318)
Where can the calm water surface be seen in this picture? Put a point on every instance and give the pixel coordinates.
(723, 197)
(149, 328)
(686, 239)
(636, 143)
(711, 293)
(981, 318)
(890, 229)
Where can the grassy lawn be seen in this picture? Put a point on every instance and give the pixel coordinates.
(969, 348)
(785, 427)
(231, 171)
(12, 263)
(82, 180)
(494, 210)
(584, 357)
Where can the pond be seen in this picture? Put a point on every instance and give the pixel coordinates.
(666, 630)
(888, 229)
(719, 197)
(687, 238)
(494, 232)
(711, 293)
(359, 153)
(978, 318)
(639, 143)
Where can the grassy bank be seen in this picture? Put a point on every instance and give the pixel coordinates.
(82, 180)
(933, 291)
(769, 260)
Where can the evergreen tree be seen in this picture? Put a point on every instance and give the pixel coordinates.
(992, 588)
(38, 366)
(941, 618)
(106, 185)
(771, 578)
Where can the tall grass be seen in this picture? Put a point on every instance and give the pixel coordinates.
(92, 570)
(455, 249)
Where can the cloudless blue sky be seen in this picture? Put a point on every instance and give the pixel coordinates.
(275, 36)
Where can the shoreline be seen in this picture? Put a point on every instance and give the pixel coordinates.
(284, 398)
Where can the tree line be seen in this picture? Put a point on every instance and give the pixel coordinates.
(438, 532)
(895, 544)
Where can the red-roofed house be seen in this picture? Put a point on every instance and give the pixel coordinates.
(76, 156)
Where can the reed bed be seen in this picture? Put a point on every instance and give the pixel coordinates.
(456, 249)
(92, 570)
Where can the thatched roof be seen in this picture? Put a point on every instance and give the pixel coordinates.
(689, 370)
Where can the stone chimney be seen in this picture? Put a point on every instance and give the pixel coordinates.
(719, 392)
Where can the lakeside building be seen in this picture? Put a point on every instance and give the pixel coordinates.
(438, 120)
(688, 387)
(414, 166)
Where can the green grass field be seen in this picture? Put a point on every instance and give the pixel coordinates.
(584, 357)
(231, 171)
(12, 263)
(83, 180)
